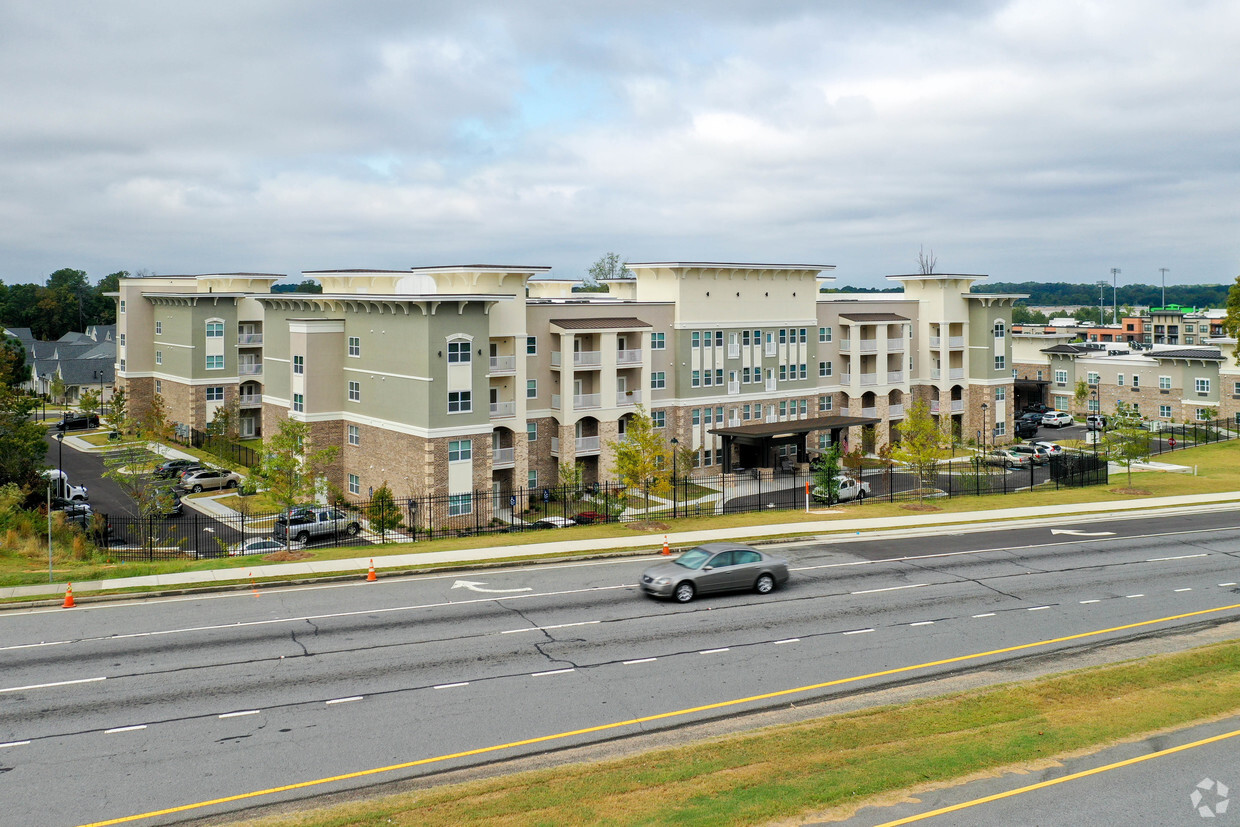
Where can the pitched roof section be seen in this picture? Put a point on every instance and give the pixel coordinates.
(1071, 349)
(1187, 353)
(873, 317)
(614, 323)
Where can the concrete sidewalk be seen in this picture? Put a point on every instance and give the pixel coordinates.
(825, 530)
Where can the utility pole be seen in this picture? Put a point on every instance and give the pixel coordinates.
(1102, 317)
(1163, 270)
(1114, 295)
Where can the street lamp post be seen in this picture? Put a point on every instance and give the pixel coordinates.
(675, 442)
(985, 424)
(60, 462)
(1097, 412)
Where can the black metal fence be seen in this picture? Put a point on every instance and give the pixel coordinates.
(222, 447)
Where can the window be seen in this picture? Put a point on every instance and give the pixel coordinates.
(531, 431)
(299, 403)
(1093, 406)
(745, 412)
(215, 330)
(159, 386)
(1188, 340)
(1061, 403)
(355, 345)
(709, 379)
(718, 338)
(1091, 378)
(824, 334)
(159, 357)
(215, 362)
(1000, 394)
(745, 338)
(696, 416)
(460, 401)
(458, 352)
(460, 450)
(783, 373)
(122, 305)
(1202, 385)
(1164, 383)
(804, 370)
(1235, 390)
(355, 391)
(1000, 362)
(757, 411)
(1061, 377)
(122, 364)
(658, 419)
(122, 340)
(718, 376)
(803, 336)
(1119, 379)
(658, 341)
(1000, 428)
(531, 345)
(355, 484)
(159, 328)
(355, 435)
(804, 407)
(695, 340)
(532, 480)
(215, 393)
(299, 364)
(1164, 411)
(695, 379)
(1203, 414)
(709, 416)
(1000, 329)
(744, 376)
(783, 336)
(531, 389)
(658, 380)
(1136, 382)
(824, 403)
(460, 504)
(783, 407)
(1188, 328)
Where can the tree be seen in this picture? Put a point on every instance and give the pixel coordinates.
(118, 410)
(926, 262)
(1231, 322)
(607, 268)
(223, 422)
(57, 389)
(154, 424)
(13, 367)
(643, 458)
(89, 401)
(22, 445)
(827, 474)
(1127, 438)
(920, 445)
(383, 512)
(1081, 393)
(289, 466)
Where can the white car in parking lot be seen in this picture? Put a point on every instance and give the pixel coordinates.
(1057, 419)
(849, 489)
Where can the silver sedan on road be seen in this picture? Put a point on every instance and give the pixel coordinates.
(715, 567)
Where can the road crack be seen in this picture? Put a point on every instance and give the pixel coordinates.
(547, 639)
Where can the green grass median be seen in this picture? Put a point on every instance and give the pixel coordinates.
(832, 765)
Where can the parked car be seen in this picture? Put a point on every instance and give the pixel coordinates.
(258, 545)
(1037, 408)
(849, 489)
(1006, 458)
(209, 479)
(553, 522)
(64, 488)
(187, 470)
(77, 422)
(1037, 455)
(315, 522)
(1057, 419)
(172, 468)
(85, 518)
(589, 517)
(1026, 427)
(715, 567)
(1096, 422)
(1053, 449)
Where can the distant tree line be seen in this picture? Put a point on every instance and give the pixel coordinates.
(1063, 294)
(67, 302)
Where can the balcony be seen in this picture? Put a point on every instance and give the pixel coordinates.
(896, 410)
(845, 378)
(843, 411)
(895, 345)
(734, 351)
(585, 445)
(503, 364)
(895, 377)
(957, 406)
(869, 346)
(586, 400)
(503, 410)
(734, 423)
(935, 341)
(770, 348)
(955, 342)
(249, 339)
(503, 457)
(871, 412)
(250, 369)
(250, 400)
(581, 358)
(845, 345)
(770, 386)
(935, 374)
(628, 398)
(955, 373)
(628, 357)
(555, 401)
(869, 379)
(772, 417)
(934, 406)
(734, 388)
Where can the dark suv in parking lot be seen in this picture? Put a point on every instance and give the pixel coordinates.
(77, 422)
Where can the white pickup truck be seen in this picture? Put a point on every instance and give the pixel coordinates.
(849, 489)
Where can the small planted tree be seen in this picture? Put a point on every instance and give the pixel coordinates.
(57, 388)
(118, 411)
(1127, 440)
(289, 465)
(383, 512)
(921, 445)
(1081, 394)
(827, 474)
(643, 458)
(89, 401)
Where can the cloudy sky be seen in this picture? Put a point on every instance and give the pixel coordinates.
(1031, 139)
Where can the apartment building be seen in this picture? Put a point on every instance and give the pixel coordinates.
(472, 378)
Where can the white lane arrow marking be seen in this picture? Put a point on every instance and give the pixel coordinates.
(477, 587)
(1075, 533)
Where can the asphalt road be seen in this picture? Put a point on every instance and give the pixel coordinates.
(111, 710)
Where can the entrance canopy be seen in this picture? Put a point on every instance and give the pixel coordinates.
(756, 442)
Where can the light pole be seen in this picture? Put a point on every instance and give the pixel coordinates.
(1098, 420)
(985, 424)
(60, 462)
(1114, 295)
(1163, 270)
(675, 442)
(49, 532)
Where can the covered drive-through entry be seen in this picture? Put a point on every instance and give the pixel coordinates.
(757, 444)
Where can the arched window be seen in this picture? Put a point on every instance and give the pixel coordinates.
(459, 351)
(1000, 329)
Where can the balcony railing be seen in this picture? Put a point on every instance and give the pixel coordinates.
(956, 373)
(628, 357)
(770, 348)
(244, 339)
(845, 345)
(734, 423)
(936, 341)
(843, 411)
(770, 385)
(628, 398)
(250, 400)
(503, 364)
(869, 411)
(895, 345)
(586, 400)
(555, 401)
(772, 417)
(955, 342)
(845, 378)
(869, 378)
(895, 377)
(935, 373)
(895, 410)
(734, 388)
(957, 406)
(734, 351)
(503, 410)
(250, 369)
(869, 346)
(583, 444)
(934, 406)
(581, 358)
(503, 457)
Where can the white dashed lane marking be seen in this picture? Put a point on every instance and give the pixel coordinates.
(452, 685)
(241, 714)
(1130, 596)
(350, 699)
(1181, 557)
(124, 729)
(545, 628)
(923, 623)
(859, 631)
(1038, 608)
(14, 744)
(50, 685)
(640, 660)
(552, 672)
(712, 651)
(988, 614)
(789, 640)
(891, 589)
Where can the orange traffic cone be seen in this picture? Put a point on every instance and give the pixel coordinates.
(370, 575)
(666, 550)
(68, 604)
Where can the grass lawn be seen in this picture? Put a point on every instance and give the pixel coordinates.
(830, 766)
